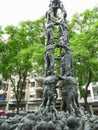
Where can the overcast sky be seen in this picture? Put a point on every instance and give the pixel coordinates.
(14, 11)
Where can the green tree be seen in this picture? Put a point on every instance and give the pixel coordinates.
(2, 46)
(23, 53)
(84, 43)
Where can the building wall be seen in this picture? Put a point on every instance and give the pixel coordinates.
(33, 95)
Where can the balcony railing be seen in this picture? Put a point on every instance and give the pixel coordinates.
(14, 99)
(96, 97)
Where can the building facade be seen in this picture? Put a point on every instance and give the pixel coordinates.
(33, 96)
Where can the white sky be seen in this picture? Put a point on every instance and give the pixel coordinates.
(14, 11)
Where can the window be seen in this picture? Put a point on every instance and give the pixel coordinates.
(32, 84)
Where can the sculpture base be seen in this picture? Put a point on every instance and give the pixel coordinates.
(51, 120)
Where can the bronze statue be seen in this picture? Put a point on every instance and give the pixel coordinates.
(68, 88)
(49, 93)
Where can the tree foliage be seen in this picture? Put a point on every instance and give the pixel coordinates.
(84, 42)
(23, 53)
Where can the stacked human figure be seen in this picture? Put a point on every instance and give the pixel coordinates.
(59, 39)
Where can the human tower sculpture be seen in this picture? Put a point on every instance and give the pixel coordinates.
(57, 38)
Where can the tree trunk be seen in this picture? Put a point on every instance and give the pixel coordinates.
(87, 105)
(17, 106)
(86, 92)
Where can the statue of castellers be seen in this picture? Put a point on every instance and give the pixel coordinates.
(50, 93)
(68, 87)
